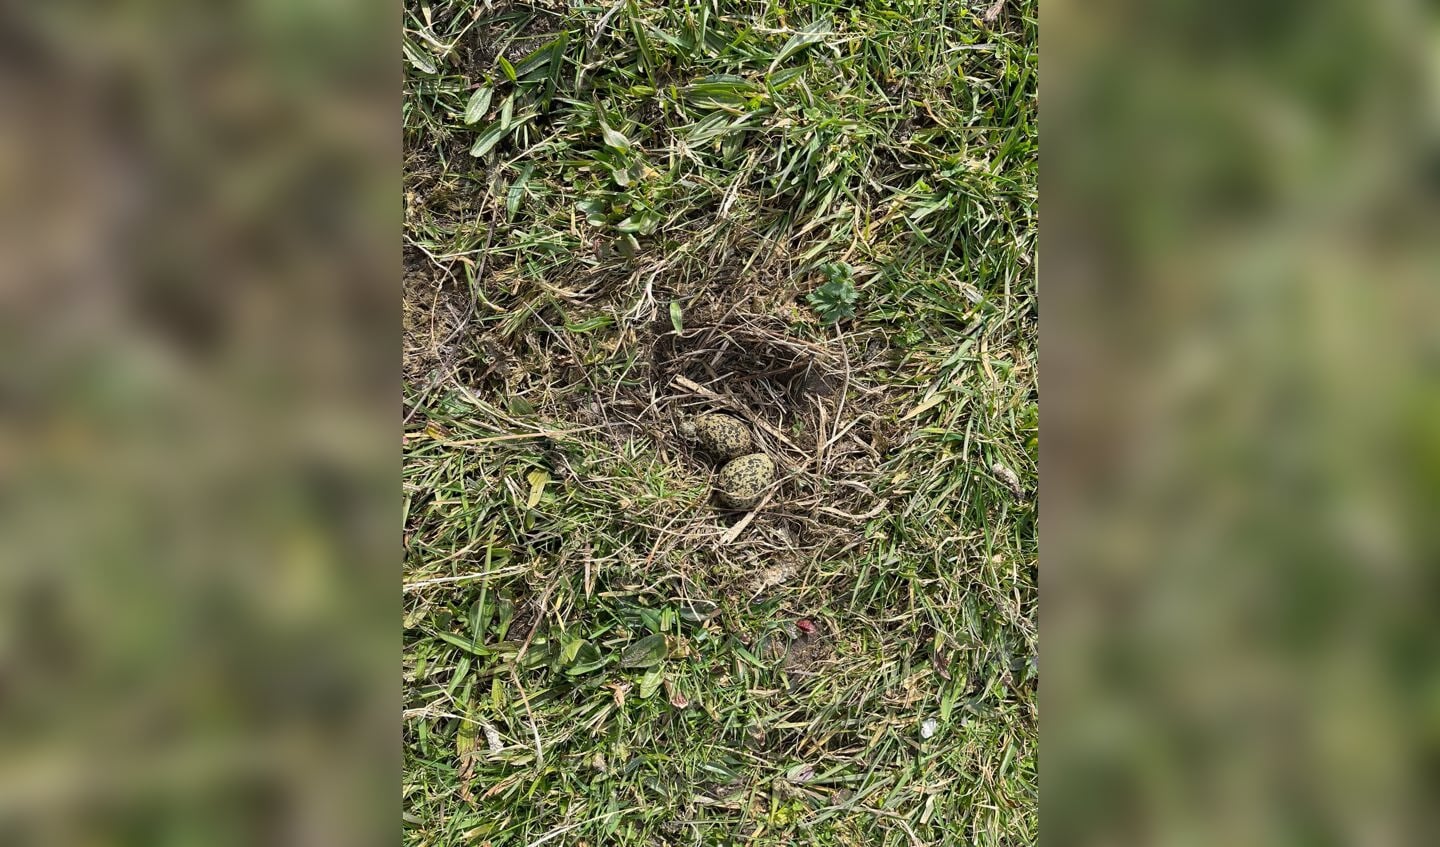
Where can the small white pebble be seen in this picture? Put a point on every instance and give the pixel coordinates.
(492, 738)
(928, 728)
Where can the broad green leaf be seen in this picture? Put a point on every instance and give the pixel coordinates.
(534, 62)
(462, 668)
(507, 614)
(517, 191)
(480, 614)
(587, 658)
(784, 77)
(417, 57)
(675, 316)
(812, 34)
(487, 139)
(594, 208)
(538, 479)
(650, 683)
(716, 125)
(569, 646)
(683, 46)
(645, 653)
(479, 104)
(721, 91)
(614, 139)
(465, 737)
(695, 611)
(507, 111)
(947, 703)
(507, 68)
(643, 223)
(557, 57)
(651, 619)
(463, 643)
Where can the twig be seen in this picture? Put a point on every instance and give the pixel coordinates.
(525, 699)
(875, 512)
(558, 831)
(539, 616)
(845, 386)
(697, 388)
(518, 436)
(820, 442)
(465, 577)
(734, 531)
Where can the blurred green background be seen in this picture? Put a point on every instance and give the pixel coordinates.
(199, 595)
(1240, 363)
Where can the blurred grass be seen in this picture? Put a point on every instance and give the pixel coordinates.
(584, 661)
(195, 596)
(1239, 232)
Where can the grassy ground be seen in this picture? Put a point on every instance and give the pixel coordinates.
(614, 217)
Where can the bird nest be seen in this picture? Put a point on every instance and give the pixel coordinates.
(793, 394)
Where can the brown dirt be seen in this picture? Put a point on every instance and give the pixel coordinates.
(808, 654)
(432, 313)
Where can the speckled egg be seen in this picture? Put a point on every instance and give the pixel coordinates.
(743, 481)
(723, 436)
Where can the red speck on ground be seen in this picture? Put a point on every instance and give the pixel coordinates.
(806, 626)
